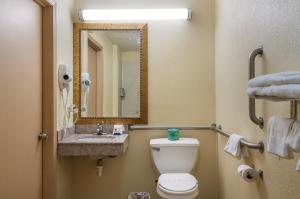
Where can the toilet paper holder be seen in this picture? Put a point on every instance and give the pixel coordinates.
(258, 174)
(249, 174)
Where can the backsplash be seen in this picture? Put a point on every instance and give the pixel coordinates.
(92, 128)
(86, 129)
(61, 133)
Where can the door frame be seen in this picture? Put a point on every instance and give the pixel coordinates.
(49, 79)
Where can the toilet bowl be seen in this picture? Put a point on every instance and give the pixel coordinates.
(175, 160)
(177, 186)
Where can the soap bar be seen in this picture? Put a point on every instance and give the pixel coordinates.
(173, 134)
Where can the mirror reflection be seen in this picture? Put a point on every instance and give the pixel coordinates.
(110, 73)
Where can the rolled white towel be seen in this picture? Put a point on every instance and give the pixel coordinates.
(278, 129)
(282, 91)
(282, 78)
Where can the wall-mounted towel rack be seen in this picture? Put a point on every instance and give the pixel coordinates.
(259, 146)
(252, 113)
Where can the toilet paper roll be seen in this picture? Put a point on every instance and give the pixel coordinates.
(247, 173)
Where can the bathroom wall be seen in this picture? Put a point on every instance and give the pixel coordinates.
(64, 52)
(241, 26)
(64, 9)
(181, 91)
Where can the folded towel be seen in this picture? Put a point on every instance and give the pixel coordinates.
(233, 146)
(298, 165)
(278, 129)
(290, 77)
(293, 138)
(282, 91)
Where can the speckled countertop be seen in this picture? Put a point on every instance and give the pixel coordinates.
(87, 144)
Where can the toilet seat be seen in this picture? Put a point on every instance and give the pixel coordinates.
(177, 185)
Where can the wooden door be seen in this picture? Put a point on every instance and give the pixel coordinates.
(21, 99)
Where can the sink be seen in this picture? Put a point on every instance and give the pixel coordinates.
(97, 138)
(93, 145)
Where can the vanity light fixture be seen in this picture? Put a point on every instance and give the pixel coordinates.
(134, 14)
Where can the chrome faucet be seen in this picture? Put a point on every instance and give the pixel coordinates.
(99, 129)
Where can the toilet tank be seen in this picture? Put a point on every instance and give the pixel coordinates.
(178, 156)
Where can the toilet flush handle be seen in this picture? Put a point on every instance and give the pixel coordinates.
(156, 148)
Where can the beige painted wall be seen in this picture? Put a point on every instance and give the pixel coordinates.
(241, 26)
(65, 56)
(181, 91)
(84, 51)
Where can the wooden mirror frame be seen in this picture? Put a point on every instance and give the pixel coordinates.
(142, 27)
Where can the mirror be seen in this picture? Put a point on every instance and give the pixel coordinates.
(110, 72)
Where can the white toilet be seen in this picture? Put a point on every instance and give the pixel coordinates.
(175, 160)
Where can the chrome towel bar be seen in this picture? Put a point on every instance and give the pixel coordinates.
(259, 146)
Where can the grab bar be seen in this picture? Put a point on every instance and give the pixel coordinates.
(259, 146)
(252, 112)
(146, 127)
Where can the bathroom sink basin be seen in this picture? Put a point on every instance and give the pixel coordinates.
(97, 138)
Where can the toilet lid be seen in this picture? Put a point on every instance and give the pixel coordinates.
(177, 182)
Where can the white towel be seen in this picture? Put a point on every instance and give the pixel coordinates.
(278, 129)
(233, 146)
(293, 138)
(290, 77)
(298, 165)
(282, 91)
